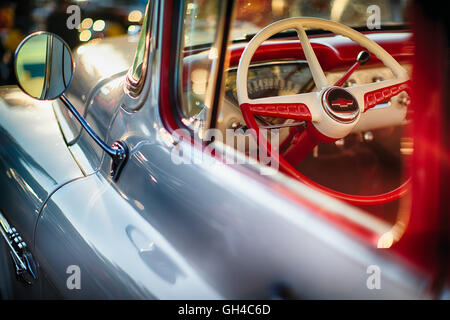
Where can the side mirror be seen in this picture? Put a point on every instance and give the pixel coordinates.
(44, 70)
(44, 66)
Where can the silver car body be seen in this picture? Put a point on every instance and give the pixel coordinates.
(164, 230)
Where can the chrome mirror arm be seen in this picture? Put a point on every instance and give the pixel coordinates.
(56, 81)
(118, 151)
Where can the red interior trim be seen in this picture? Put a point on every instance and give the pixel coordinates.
(420, 242)
(297, 111)
(373, 98)
(166, 78)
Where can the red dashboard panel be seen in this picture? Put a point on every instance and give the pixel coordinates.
(333, 52)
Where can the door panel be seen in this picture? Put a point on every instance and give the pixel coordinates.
(201, 231)
(34, 159)
(120, 255)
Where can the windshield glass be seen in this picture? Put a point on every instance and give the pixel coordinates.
(252, 15)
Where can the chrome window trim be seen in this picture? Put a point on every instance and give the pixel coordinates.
(133, 87)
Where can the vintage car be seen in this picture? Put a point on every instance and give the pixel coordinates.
(235, 149)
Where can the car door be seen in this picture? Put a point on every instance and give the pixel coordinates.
(57, 225)
(126, 256)
(172, 231)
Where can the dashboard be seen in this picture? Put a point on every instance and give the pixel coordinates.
(287, 77)
(272, 79)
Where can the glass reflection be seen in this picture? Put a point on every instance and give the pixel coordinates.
(44, 66)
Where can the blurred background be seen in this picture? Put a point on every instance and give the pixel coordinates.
(109, 18)
(98, 19)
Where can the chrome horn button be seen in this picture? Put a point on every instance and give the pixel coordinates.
(340, 105)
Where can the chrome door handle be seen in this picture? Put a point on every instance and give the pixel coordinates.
(24, 262)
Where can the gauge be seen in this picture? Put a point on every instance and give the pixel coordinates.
(272, 79)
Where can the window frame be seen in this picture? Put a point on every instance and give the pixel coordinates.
(133, 87)
(217, 73)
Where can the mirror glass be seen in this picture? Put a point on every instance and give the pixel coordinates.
(44, 66)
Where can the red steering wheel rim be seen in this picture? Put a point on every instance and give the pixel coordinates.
(287, 168)
(325, 122)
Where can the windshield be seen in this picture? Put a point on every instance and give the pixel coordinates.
(252, 15)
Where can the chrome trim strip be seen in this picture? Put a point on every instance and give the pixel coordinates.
(4, 223)
(270, 63)
(134, 87)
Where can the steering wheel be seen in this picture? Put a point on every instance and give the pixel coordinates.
(330, 113)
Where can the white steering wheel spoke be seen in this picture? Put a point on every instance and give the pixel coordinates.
(316, 69)
(369, 95)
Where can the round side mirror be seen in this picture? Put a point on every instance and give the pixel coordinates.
(44, 66)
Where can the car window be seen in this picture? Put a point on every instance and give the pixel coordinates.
(373, 159)
(196, 80)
